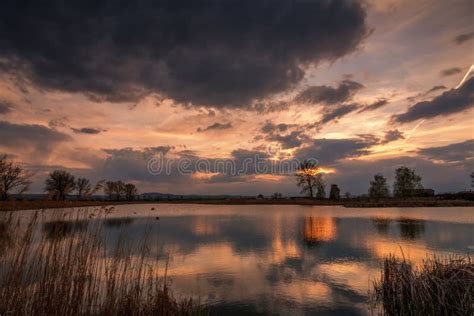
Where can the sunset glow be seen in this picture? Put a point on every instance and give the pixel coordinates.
(236, 157)
(391, 85)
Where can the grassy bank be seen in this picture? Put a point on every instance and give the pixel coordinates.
(15, 205)
(410, 202)
(439, 286)
(420, 202)
(48, 270)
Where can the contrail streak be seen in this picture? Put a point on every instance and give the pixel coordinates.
(413, 130)
(471, 69)
(468, 73)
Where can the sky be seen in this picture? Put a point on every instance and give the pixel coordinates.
(362, 87)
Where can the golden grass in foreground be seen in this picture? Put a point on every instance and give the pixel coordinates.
(439, 286)
(59, 273)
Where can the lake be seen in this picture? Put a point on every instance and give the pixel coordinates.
(280, 259)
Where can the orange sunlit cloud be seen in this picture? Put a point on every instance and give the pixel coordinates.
(204, 175)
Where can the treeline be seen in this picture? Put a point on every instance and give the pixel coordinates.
(406, 184)
(60, 184)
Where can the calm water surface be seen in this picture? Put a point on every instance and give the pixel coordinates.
(287, 260)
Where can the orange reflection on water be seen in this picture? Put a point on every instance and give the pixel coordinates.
(280, 250)
(414, 252)
(204, 227)
(354, 275)
(306, 290)
(317, 229)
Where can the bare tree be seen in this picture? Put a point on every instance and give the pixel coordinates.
(114, 189)
(85, 189)
(98, 186)
(378, 187)
(130, 191)
(60, 184)
(309, 179)
(119, 190)
(109, 189)
(12, 178)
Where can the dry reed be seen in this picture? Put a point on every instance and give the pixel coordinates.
(438, 286)
(66, 269)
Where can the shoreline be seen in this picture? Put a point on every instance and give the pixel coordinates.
(416, 202)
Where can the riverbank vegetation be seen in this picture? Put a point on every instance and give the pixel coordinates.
(438, 286)
(15, 205)
(68, 270)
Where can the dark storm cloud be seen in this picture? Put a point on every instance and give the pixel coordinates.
(215, 126)
(335, 114)
(220, 53)
(458, 152)
(5, 107)
(329, 95)
(329, 151)
(392, 135)
(374, 106)
(461, 38)
(87, 130)
(449, 102)
(450, 71)
(36, 138)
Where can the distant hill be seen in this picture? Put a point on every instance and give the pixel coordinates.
(170, 196)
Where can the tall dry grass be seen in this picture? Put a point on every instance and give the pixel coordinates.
(66, 269)
(438, 286)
